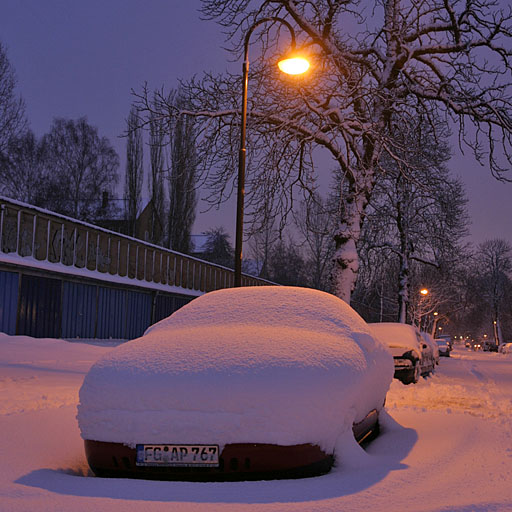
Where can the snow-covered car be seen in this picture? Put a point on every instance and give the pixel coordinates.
(244, 383)
(444, 347)
(429, 340)
(505, 348)
(447, 338)
(412, 356)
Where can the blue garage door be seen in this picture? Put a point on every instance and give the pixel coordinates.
(138, 317)
(111, 313)
(78, 310)
(8, 301)
(39, 313)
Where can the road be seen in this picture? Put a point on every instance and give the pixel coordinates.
(446, 445)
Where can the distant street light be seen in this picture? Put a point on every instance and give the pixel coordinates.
(424, 292)
(293, 65)
(434, 324)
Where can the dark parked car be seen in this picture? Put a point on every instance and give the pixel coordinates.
(447, 338)
(444, 347)
(413, 357)
(490, 346)
(239, 384)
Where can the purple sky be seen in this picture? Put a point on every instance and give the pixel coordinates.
(75, 58)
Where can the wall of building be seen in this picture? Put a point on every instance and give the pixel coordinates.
(37, 304)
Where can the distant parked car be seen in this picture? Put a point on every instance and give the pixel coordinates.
(239, 384)
(444, 347)
(505, 348)
(413, 357)
(489, 346)
(447, 338)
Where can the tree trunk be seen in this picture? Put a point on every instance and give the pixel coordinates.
(346, 262)
(403, 291)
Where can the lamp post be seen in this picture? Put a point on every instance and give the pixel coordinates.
(423, 292)
(497, 340)
(292, 66)
(434, 324)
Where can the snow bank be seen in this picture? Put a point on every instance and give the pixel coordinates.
(24, 359)
(280, 365)
(398, 337)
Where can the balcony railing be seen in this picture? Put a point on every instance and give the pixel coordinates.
(31, 232)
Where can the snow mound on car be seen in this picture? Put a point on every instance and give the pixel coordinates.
(398, 337)
(279, 365)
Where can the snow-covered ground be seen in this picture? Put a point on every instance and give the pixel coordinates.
(446, 445)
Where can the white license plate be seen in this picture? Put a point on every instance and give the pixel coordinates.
(178, 455)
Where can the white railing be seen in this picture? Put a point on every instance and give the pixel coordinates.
(32, 232)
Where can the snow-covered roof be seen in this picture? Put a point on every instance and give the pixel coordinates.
(281, 365)
(398, 336)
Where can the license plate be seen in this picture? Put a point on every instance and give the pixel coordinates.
(178, 455)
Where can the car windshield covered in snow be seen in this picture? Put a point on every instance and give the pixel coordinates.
(259, 366)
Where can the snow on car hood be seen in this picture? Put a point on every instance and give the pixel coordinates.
(268, 364)
(398, 337)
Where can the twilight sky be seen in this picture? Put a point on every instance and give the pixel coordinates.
(75, 58)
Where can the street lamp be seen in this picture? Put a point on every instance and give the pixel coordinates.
(292, 65)
(423, 292)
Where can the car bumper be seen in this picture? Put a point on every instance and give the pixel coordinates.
(404, 369)
(240, 461)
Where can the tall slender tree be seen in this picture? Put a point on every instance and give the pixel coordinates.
(156, 177)
(182, 178)
(134, 170)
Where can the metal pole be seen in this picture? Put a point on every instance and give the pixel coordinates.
(239, 230)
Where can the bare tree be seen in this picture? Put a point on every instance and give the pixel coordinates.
(156, 177)
(286, 264)
(494, 260)
(314, 221)
(134, 170)
(12, 108)
(375, 64)
(417, 211)
(80, 167)
(22, 174)
(182, 177)
(260, 244)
